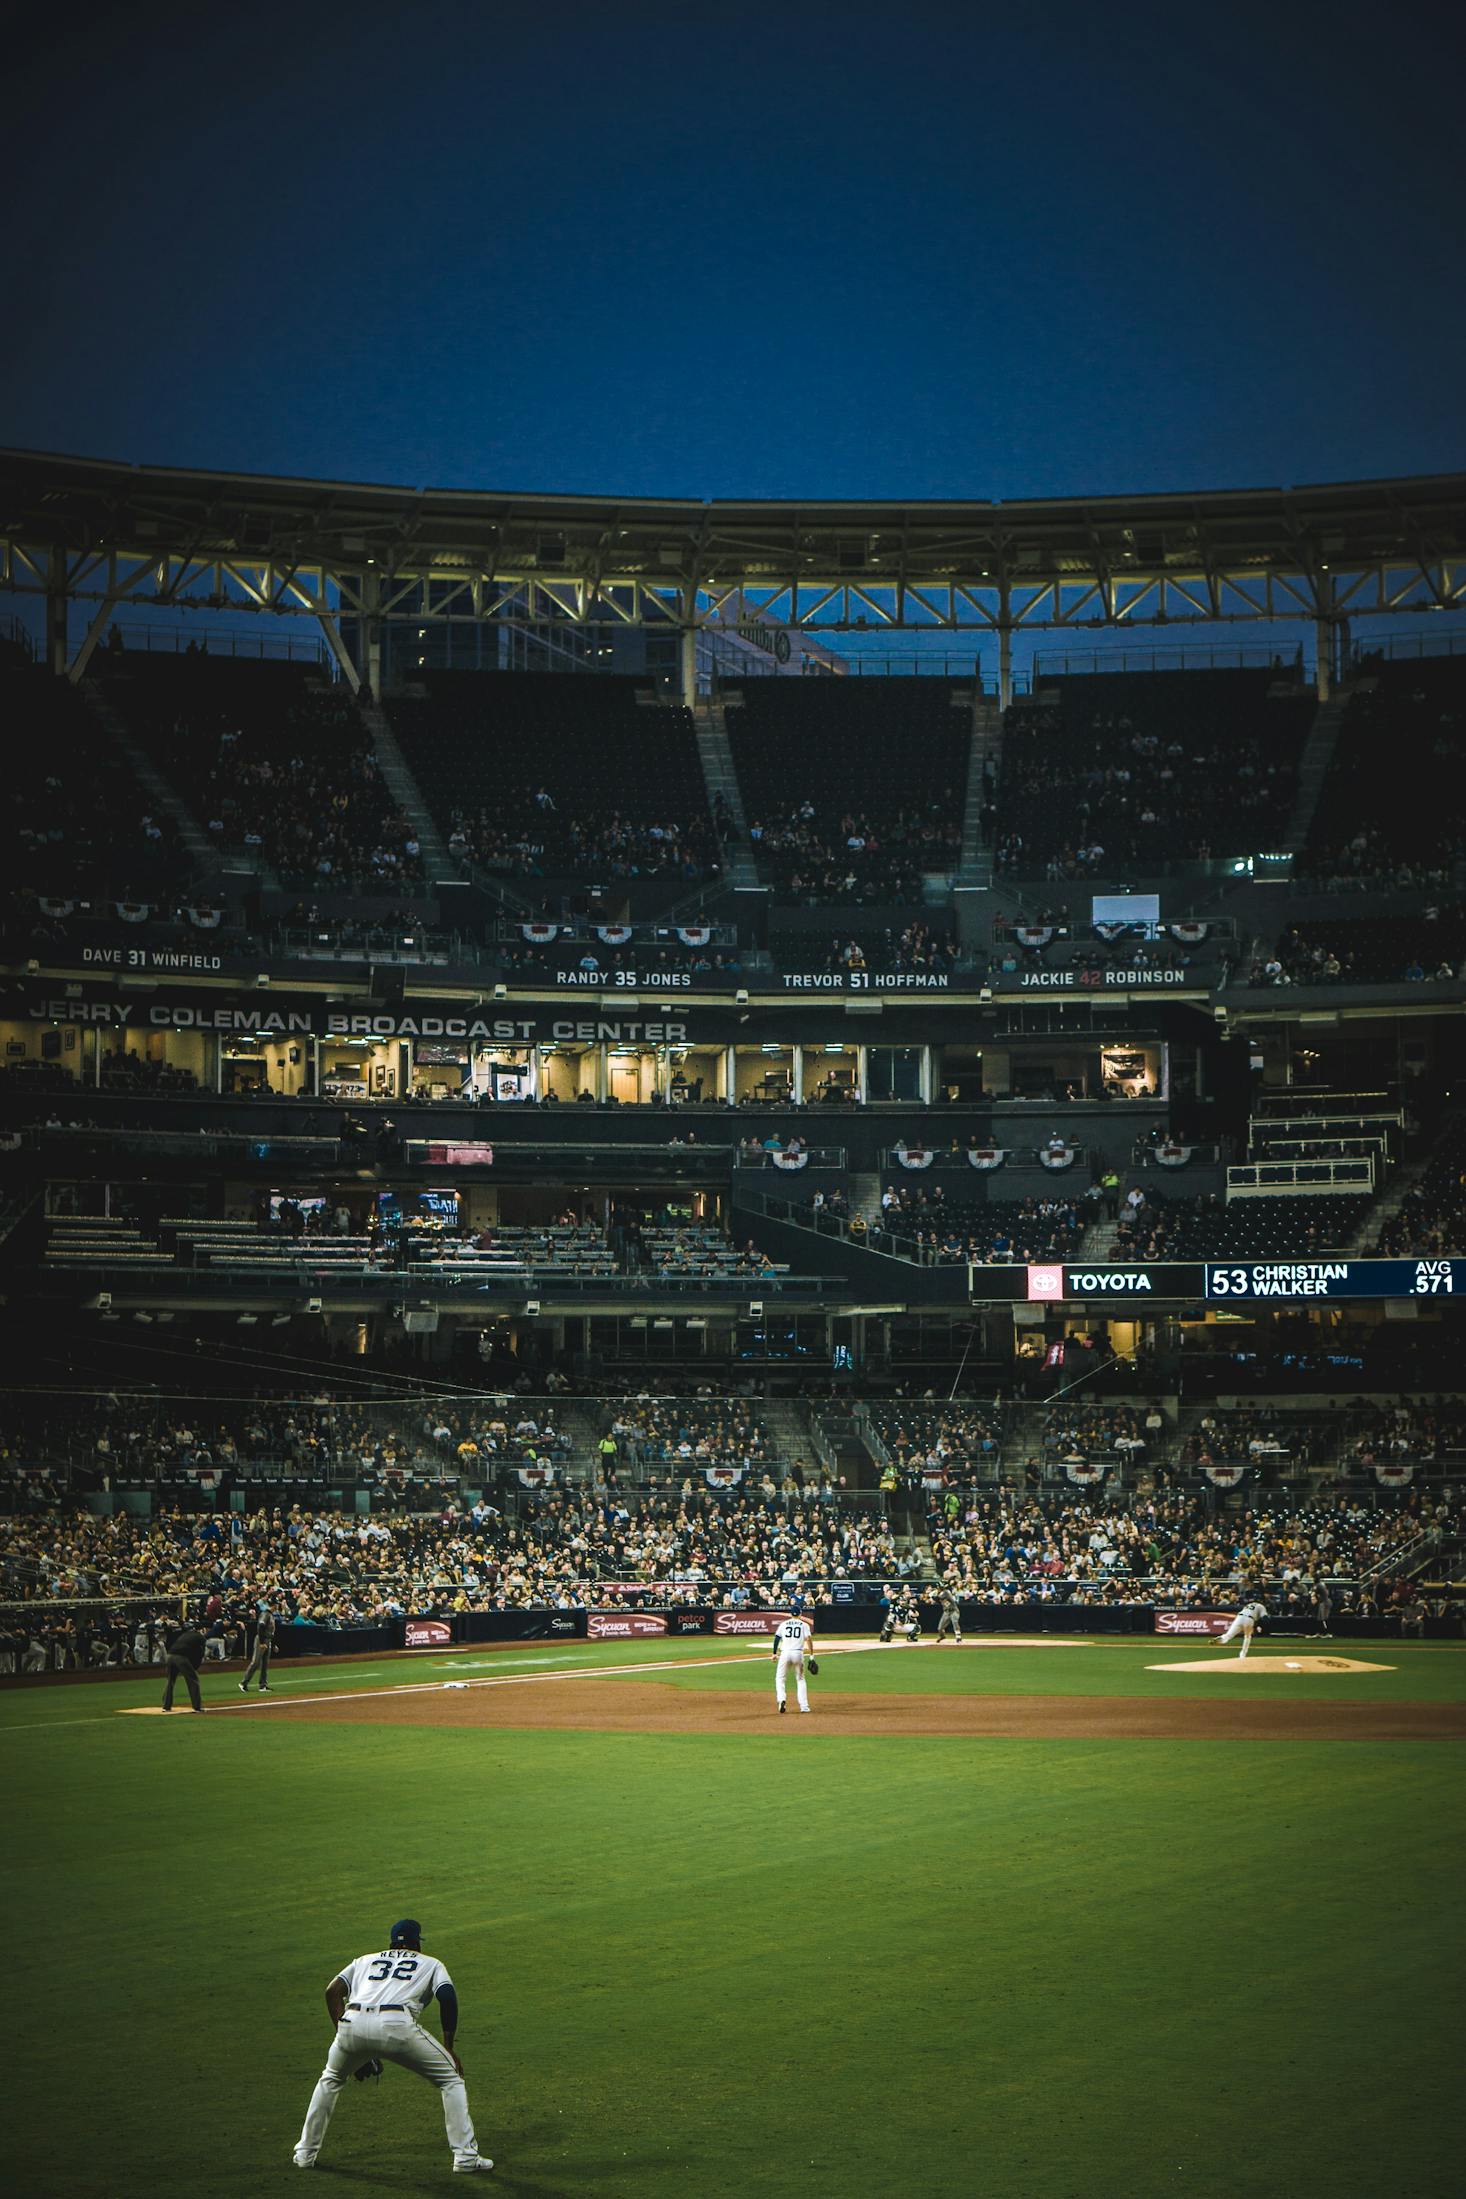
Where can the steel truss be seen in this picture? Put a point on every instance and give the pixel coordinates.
(88, 531)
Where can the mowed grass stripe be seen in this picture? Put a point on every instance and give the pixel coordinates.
(698, 1964)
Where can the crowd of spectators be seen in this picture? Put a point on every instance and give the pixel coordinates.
(821, 856)
(651, 1434)
(559, 775)
(1259, 1435)
(1383, 950)
(925, 1224)
(1013, 1548)
(684, 1543)
(408, 1450)
(79, 821)
(919, 947)
(525, 832)
(1118, 773)
(1391, 813)
(1432, 1217)
(316, 807)
(954, 1439)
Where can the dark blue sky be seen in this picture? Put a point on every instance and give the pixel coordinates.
(819, 251)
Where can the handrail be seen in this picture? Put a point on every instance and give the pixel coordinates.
(1265, 1179)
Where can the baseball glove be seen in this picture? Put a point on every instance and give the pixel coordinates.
(813, 1666)
(373, 2068)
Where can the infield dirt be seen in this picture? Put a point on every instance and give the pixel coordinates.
(632, 1706)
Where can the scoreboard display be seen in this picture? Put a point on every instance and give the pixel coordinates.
(1255, 1279)
(1217, 1282)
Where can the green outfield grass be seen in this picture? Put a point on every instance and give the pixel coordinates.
(705, 1965)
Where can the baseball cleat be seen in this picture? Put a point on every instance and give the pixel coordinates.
(470, 2168)
(244, 1690)
(782, 1708)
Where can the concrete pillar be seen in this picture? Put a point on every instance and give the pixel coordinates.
(315, 1068)
(1323, 647)
(928, 1076)
(688, 680)
(1005, 655)
(371, 631)
(730, 1074)
(797, 1076)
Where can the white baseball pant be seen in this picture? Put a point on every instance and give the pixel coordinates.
(791, 1659)
(1241, 1626)
(397, 2037)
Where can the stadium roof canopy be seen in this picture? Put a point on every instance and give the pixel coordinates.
(80, 529)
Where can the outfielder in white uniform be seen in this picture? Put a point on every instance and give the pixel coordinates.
(375, 2004)
(793, 1638)
(1244, 1624)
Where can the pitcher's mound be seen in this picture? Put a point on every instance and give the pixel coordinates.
(1234, 1665)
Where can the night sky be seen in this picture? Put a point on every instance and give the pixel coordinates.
(810, 251)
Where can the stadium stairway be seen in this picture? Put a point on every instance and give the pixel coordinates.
(788, 1430)
(1383, 1210)
(865, 1195)
(1313, 768)
(715, 754)
(406, 793)
(196, 844)
(1094, 1245)
(985, 755)
(840, 1446)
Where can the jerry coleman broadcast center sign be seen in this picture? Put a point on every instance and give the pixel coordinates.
(1218, 1283)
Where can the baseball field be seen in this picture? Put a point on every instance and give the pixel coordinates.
(1056, 1918)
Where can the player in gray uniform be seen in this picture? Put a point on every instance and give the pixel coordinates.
(950, 1621)
(260, 1659)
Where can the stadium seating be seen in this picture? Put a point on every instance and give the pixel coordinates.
(558, 775)
(1112, 772)
(1382, 949)
(81, 825)
(1241, 1229)
(853, 788)
(1392, 810)
(274, 763)
(985, 1230)
(1432, 1216)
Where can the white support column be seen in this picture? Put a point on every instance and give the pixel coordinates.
(689, 667)
(928, 1076)
(730, 1073)
(862, 1088)
(315, 1064)
(331, 629)
(796, 1087)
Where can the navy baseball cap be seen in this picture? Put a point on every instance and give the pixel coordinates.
(406, 1932)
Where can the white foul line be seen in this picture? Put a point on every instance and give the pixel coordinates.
(524, 1679)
